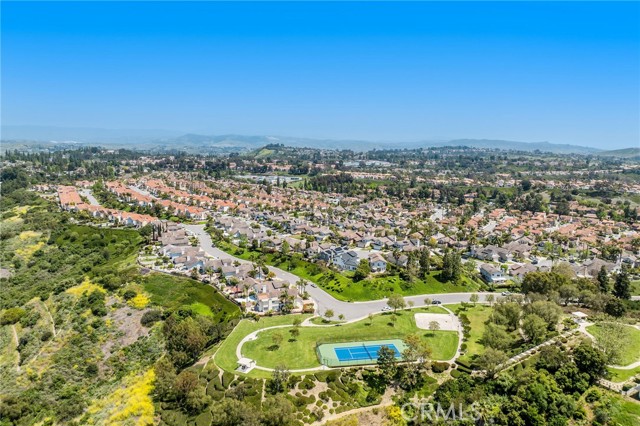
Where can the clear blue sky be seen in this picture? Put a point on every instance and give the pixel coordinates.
(561, 72)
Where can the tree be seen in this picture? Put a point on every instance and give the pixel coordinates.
(548, 311)
(295, 332)
(279, 411)
(276, 338)
(427, 301)
(496, 337)
(416, 357)
(603, 279)
(341, 317)
(396, 301)
(233, 412)
(612, 339)
(534, 328)
(279, 378)
(474, 298)
(451, 266)
(590, 360)
(434, 326)
(185, 382)
(387, 363)
(285, 248)
(622, 285)
(491, 360)
(362, 271)
(615, 308)
(328, 314)
(424, 261)
(508, 314)
(490, 298)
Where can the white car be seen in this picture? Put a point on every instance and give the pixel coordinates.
(386, 308)
(506, 293)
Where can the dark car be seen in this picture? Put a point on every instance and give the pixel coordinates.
(436, 302)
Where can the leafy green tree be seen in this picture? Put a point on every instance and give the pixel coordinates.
(328, 314)
(622, 285)
(474, 298)
(534, 328)
(490, 361)
(508, 314)
(279, 379)
(496, 337)
(416, 357)
(396, 301)
(590, 360)
(424, 260)
(362, 271)
(603, 279)
(451, 266)
(233, 412)
(387, 363)
(278, 411)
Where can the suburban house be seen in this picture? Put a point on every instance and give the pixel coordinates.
(347, 261)
(491, 274)
(377, 263)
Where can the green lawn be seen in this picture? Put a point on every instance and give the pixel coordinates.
(635, 288)
(477, 315)
(631, 349)
(341, 285)
(225, 357)
(619, 375)
(173, 292)
(300, 353)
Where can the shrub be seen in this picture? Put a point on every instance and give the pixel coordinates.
(439, 367)
(227, 378)
(150, 317)
(12, 316)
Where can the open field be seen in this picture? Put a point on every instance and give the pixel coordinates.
(477, 315)
(631, 349)
(225, 357)
(173, 292)
(301, 352)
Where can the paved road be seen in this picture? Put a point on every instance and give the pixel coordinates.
(323, 299)
(92, 200)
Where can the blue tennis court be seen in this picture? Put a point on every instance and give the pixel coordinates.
(362, 352)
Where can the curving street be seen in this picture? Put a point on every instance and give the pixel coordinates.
(324, 300)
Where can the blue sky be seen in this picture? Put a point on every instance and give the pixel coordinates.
(560, 72)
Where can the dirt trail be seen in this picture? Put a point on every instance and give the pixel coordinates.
(17, 341)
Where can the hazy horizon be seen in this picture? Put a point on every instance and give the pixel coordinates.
(397, 72)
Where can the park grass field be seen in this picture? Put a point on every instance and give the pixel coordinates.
(620, 375)
(173, 292)
(301, 352)
(225, 357)
(478, 315)
(631, 349)
(343, 287)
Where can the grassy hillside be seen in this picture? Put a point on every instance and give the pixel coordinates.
(81, 329)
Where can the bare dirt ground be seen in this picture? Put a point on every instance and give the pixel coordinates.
(127, 322)
(446, 321)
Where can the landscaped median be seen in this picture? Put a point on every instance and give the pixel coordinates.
(299, 352)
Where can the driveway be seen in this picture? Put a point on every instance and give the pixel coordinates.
(324, 300)
(92, 200)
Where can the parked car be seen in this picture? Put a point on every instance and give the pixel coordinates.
(314, 285)
(386, 308)
(506, 293)
(436, 302)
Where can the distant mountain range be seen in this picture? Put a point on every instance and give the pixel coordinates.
(161, 140)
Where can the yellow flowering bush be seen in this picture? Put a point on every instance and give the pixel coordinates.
(86, 287)
(129, 405)
(140, 301)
